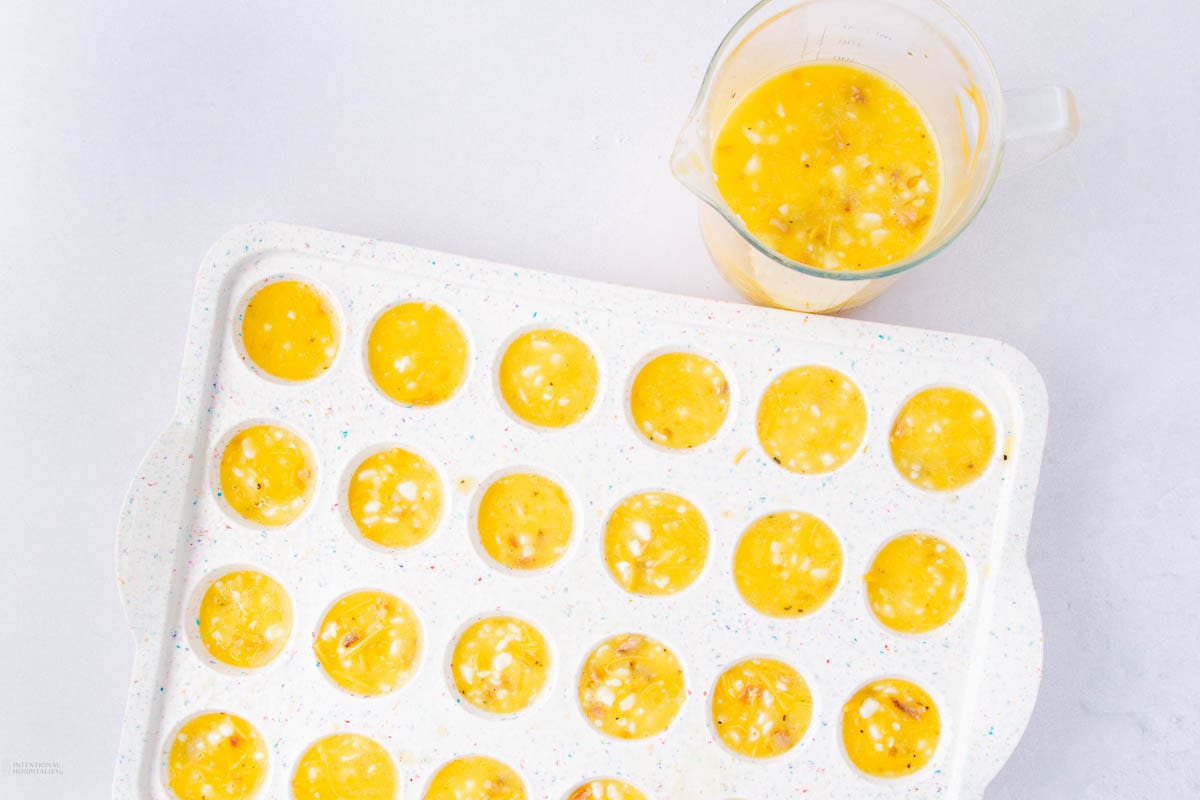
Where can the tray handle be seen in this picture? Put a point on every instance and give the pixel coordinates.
(1007, 687)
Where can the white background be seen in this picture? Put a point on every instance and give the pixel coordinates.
(132, 134)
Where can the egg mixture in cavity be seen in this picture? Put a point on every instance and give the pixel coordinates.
(679, 400)
(830, 165)
(289, 331)
(500, 664)
(890, 728)
(395, 498)
(245, 619)
(812, 420)
(216, 756)
(787, 564)
(606, 789)
(417, 354)
(344, 766)
(631, 687)
(549, 378)
(916, 583)
(524, 521)
(943, 439)
(655, 543)
(267, 474)
(369, 642)
(761, 707)
(476, 778)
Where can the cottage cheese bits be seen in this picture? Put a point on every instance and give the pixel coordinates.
(631, 687)
(655, 543)
(812, 420)
(524, 521)
(943, 439)
(245, 619)
(395, 498)
(267, 475)
(606, 789)
(216, 756)
(761, 707)
(476, 778)
(369, 642)
(916, 583)
(549, 378)
(787, 564)
(679, 400)
(417, 354)
(500, 664)
(890, 728)
(289, 331)
(345, 765)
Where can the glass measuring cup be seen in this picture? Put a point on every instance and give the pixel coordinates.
(926, 49)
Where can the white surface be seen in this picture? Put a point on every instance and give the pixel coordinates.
(132, 135)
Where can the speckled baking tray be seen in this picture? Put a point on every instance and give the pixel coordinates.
(983, 669)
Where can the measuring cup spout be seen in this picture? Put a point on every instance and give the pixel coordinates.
(690, 162)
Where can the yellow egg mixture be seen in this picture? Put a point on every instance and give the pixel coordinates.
(245, 619)
(395, 498)
(476, 778)
(216, 756)
(761, 707)
(606, 789)
(787, 564)
(369, 642)
(830, 165)
(631, 687)
(267, 474)
(916, 583)
(679, 400)
(655, 543)
(345, 766)
(943, 438)
(417, 354)
(524, 521)
(890, 728)
(500, 664)
(289, 331)
(811, 420)
(549, 378)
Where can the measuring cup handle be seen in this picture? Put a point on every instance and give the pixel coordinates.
(1038, 123)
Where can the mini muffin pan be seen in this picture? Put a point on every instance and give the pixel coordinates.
(178, 534)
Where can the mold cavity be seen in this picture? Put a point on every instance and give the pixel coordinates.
(761, 708)
(267, 474)
(500, 664)
(369, 642)
(890, 728)
(395, 498)
(812, 420)
(787, 564)
(943, 439)
(916, 583)
(476, 776)
(216, 749)
(655, 543)
(289, 330)
(524, 521)
(417, 354)
(631, 687)
(605, 789)
(243, 618)
(345, 765)
(548, 378)
(679, 400)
